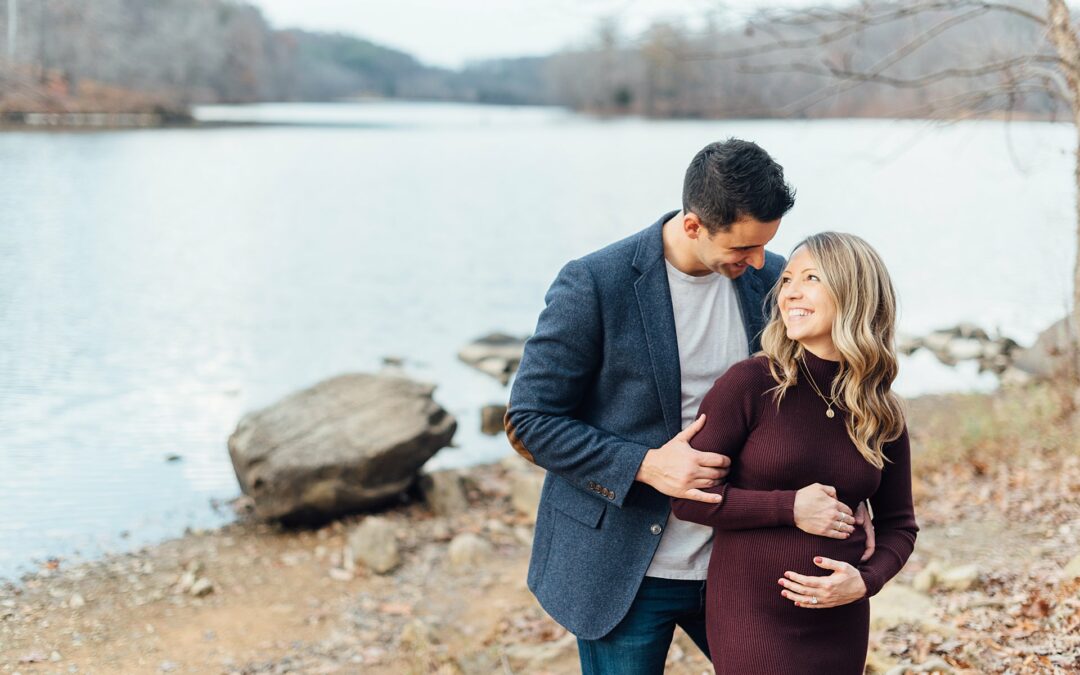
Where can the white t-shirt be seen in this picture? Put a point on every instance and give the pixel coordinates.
(711, 337)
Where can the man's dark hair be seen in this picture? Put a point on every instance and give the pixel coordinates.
(733, 179)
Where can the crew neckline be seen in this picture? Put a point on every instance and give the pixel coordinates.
(690, 278)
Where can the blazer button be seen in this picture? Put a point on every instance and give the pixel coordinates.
(655, 528)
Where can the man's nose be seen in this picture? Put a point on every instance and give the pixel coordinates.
(756, 259)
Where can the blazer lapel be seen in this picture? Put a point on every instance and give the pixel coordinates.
(658, 317)
(751, 291)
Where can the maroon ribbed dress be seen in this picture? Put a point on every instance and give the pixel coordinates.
(775, 452)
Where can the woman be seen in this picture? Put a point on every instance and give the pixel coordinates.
(814, 407)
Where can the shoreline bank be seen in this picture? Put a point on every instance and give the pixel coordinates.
(994, 583)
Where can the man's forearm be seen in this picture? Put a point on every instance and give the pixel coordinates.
(589, 458)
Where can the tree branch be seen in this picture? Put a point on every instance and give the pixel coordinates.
(879, 78)
(949, 105)
(853, 23)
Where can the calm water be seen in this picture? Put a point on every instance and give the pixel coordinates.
(155, 285)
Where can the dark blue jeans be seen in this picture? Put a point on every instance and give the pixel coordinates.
(639, 644)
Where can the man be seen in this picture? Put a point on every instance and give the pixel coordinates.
(631, 339)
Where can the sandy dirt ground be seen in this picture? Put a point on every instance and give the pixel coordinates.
(994, 586)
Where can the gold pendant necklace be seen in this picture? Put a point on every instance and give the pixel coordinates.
(829, 402)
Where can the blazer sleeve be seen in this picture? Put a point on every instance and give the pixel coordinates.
(557, 369)
(895, 528)
(732, 408)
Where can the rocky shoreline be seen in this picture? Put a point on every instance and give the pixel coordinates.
(430, 576)
(994, 584)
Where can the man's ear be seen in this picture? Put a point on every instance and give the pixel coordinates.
(692, 225)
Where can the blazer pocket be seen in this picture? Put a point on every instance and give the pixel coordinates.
(575, 503)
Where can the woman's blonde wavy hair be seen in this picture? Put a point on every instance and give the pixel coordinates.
(863, 332)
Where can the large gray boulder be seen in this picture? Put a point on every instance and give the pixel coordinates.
(349, 443)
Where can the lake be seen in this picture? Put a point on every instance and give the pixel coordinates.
(157, 284)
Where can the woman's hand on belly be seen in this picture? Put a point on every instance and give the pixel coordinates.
(845, 585)
(817, 511)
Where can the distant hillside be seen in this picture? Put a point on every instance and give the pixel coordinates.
(164, 55)
(178, 52)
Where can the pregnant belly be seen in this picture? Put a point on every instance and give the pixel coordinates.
(746, 564)
(752, 628)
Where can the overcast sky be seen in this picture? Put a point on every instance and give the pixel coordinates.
(452, 32)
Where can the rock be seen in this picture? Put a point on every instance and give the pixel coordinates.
(970, 331)
(1072, 569)
(1001, 346)
(417, 634)
(907, 344)
(243, 506)
(440, 531)
(934, 664)
(927, 578)
(349, 443)
(444, 493)
(186, 581)
(524, 535)
(529, 657)
(491, 419)
(878, 663)
(55, 656)
(374, 544)
(675, 654)
(959, 578)
(468, 550)
(201, 587)
(897, 604)
(1049, 355)
(938, 342)
(496, 354)
(76, 601)
(339, 574)
(1014, 377)
(32, 657)
(525, 491)
(964, 349)
(167, 666)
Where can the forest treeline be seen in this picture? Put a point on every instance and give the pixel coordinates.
(225, 51)
(203, 51)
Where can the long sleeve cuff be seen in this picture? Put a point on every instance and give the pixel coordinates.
(892, 551)
(785, 507)
(872, 581)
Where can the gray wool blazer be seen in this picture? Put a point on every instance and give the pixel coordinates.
(598, 386)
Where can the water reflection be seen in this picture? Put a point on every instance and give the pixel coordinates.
(156, 285)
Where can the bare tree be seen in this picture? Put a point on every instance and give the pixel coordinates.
(1032, 54)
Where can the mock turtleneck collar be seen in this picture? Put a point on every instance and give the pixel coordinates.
(822, 370)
